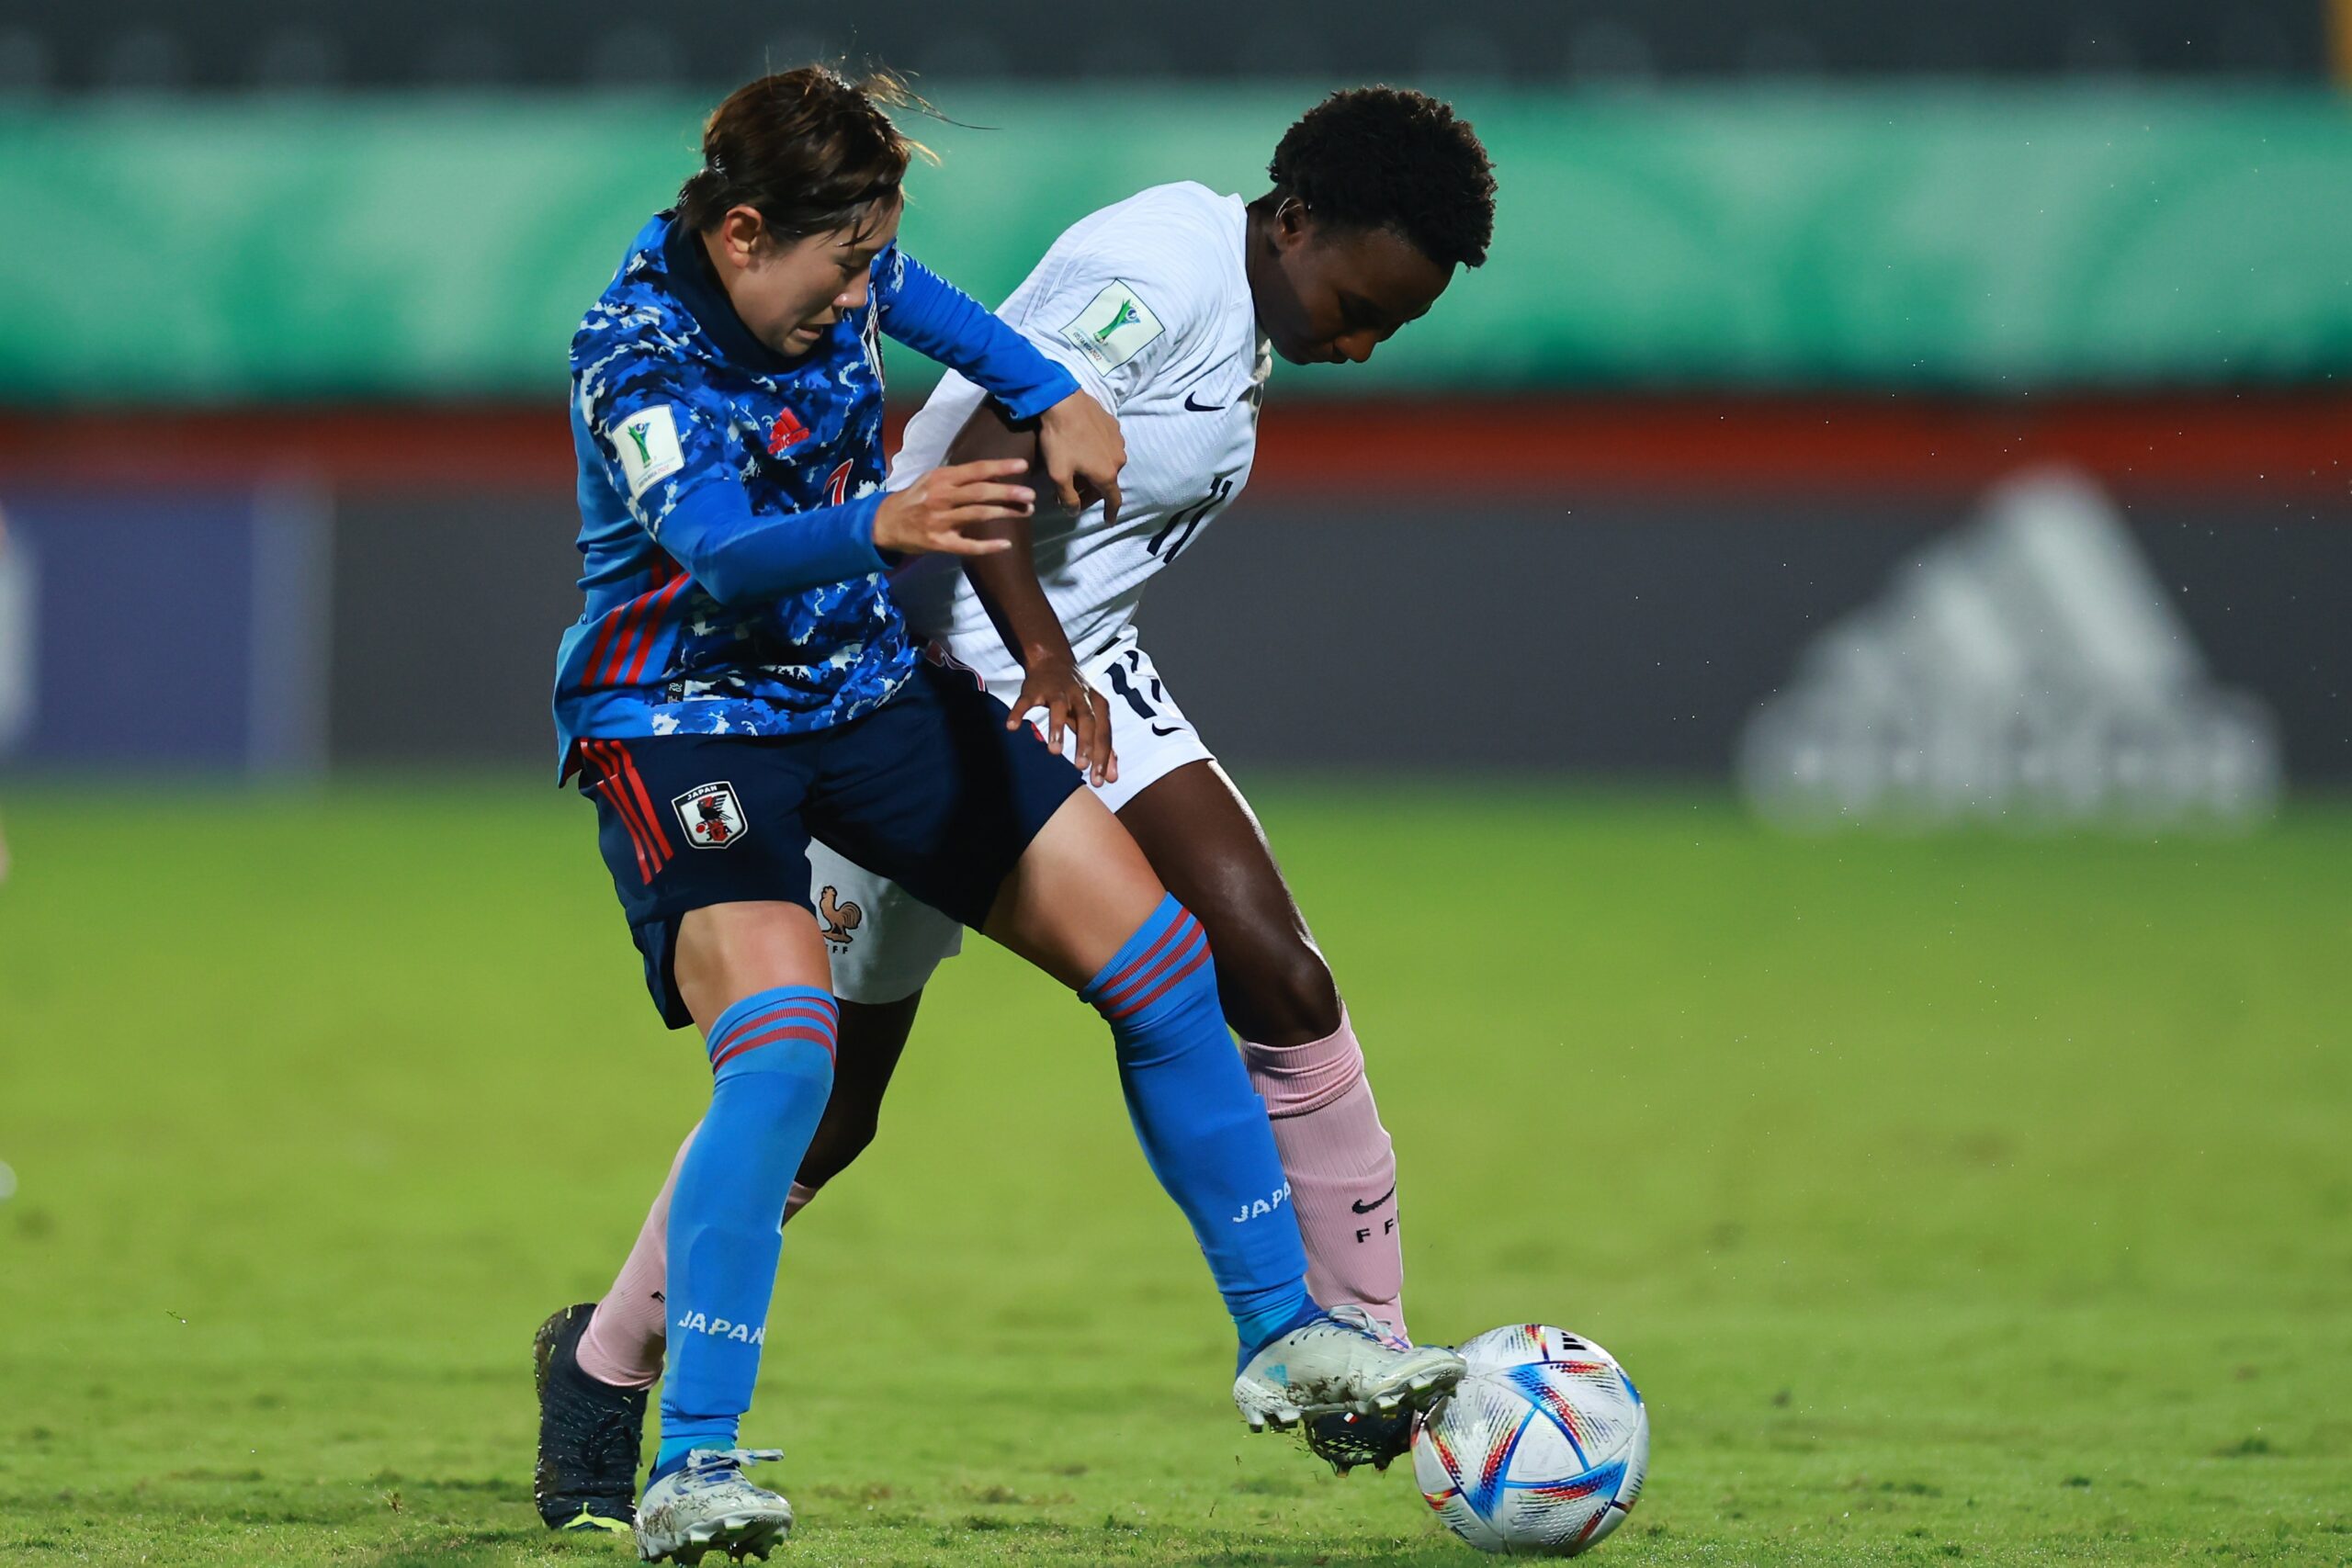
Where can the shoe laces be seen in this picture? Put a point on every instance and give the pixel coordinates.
(711, 1467)
(1357, 1320)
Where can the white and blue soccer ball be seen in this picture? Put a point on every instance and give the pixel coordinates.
(1542, 1450)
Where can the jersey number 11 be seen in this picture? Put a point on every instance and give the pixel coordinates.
(1190, 519)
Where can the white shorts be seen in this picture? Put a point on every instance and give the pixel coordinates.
(885, 941)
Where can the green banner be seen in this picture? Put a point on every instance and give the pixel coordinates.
(1971, 240)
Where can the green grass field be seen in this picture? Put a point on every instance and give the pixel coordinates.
(1974, 1199)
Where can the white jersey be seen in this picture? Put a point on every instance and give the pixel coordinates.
(1147, 304)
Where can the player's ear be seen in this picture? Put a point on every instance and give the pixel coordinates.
(1293, 225)
(739, 229)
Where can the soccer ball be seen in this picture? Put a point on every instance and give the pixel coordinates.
(1542, 1450)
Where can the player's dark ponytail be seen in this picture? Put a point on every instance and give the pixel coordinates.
(813, 150)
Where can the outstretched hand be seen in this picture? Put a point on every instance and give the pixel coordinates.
(949, 511)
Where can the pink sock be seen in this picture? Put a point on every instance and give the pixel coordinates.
(623, 1342)
(1342, 1166)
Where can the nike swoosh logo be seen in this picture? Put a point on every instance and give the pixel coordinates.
(1376, 1202)
(1201, 408)
(1170, 729)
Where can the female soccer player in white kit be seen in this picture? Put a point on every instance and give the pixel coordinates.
(1167, 307)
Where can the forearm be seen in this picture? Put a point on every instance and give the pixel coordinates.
(1007, 581)
(938, 320)
(741, 558)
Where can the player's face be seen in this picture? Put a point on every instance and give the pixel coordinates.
(1337, 295)
(790, 294)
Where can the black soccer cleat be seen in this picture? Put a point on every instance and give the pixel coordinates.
(590, 1434)
(1347, 1439)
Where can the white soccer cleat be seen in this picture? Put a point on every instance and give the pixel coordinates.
(1341, 1362)
(708, 1507)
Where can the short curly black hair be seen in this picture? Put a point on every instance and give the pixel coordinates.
(1392, 158)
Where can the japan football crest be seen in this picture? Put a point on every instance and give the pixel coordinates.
(711, 816)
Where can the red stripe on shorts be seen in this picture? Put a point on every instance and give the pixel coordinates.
(662, 851)
(613, 791)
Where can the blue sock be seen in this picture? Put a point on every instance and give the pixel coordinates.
(772, 1060)
(1202, 1125)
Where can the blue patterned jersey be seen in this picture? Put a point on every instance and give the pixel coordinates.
(726, 499)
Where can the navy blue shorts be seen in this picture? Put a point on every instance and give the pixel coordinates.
(930, 790)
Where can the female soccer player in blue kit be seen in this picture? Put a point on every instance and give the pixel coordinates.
(741, 681)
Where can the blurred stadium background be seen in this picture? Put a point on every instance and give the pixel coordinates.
(1903, 413)
(1780, 293)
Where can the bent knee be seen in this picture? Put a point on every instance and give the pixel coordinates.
(1277, 990)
